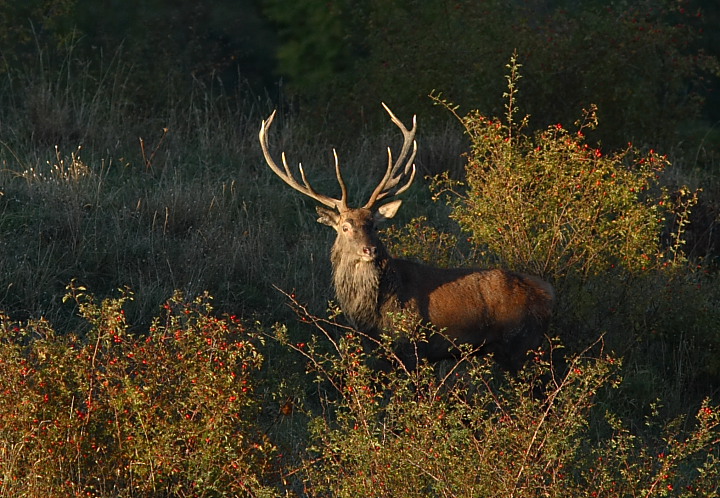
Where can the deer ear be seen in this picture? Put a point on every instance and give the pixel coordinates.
(327, 216)
(387, 211)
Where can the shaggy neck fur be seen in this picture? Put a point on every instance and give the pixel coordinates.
(360, 287)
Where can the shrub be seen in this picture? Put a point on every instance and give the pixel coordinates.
(113, 413)
(465, 430)
(418, 239)
(555, 205)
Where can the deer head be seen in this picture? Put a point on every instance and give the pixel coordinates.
(355, 225)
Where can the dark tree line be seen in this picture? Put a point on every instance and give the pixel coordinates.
(651, 66)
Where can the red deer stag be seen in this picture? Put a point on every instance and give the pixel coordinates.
(493, 310)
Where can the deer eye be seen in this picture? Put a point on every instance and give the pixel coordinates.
(345, 227)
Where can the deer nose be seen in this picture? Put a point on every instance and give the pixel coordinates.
(369, 251)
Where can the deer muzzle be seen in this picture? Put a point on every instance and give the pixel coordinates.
(369, 253)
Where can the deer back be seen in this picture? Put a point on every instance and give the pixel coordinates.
(494, 310)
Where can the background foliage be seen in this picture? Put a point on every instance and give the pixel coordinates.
(647, 65)
(650, 66)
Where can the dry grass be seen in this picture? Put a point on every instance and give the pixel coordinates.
(180, 199)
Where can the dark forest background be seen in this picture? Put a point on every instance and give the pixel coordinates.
(650, 66)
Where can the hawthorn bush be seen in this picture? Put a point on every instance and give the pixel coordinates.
(169, 412)
(465, 429)
(553, 204)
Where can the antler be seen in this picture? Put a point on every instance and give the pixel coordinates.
(388, 185)
(289, 178)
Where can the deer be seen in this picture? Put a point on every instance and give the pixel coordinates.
(490, 310)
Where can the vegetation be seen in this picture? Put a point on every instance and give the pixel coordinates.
(466, 431)
(644, 63)
(604, 228)
(115, 414)
(128, 199)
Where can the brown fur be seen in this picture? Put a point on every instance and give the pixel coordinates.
(495, 310)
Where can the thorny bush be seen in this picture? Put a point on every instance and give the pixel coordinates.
(113, 413)
(554, 204)
(465, 429)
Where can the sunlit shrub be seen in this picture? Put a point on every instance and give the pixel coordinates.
(602, 227)
(465, 429)
(418, 239)
(553, 204)
(113, 413)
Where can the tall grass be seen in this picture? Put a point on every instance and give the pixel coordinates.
(175, 197)
(173, 200)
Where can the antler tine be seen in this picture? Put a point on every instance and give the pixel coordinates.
(289, 178)
(392, 176)
(343, 188)
(408, 136)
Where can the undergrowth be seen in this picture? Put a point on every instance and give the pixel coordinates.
(166, 412)
(464, 428)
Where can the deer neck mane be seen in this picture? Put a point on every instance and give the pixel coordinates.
(360, 287)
